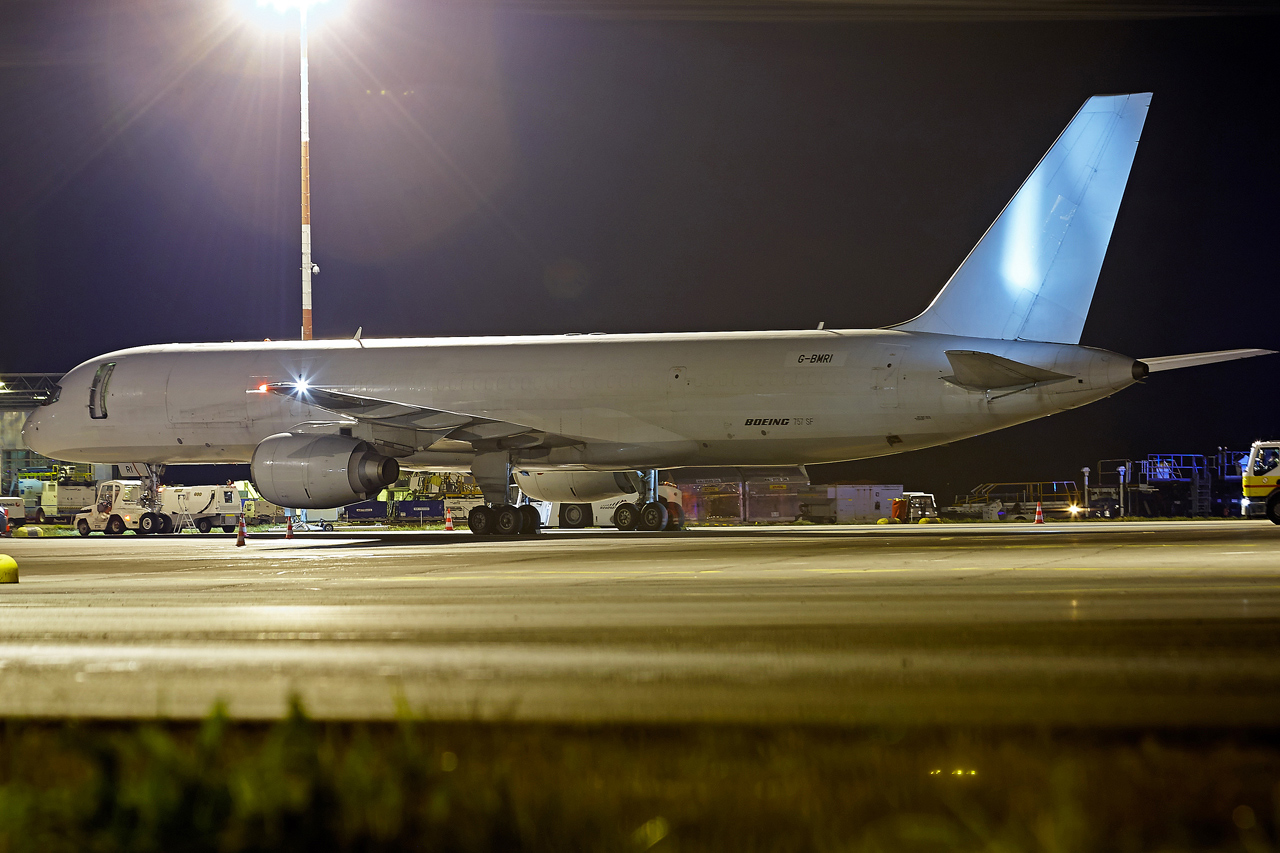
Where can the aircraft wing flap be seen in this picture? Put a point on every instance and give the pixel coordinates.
(984, 371)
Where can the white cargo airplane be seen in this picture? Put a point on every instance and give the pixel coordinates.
(588, 417)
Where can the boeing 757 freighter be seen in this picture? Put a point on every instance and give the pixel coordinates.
(588, 417)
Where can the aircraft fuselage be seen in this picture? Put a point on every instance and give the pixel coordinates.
(613, 402)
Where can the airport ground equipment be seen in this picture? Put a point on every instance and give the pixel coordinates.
(122, 505)
(55, 492)
(915, 507)
(847, 504)
(327, 423)
(1017, 501)
(12, 513)
(1261, 480)
(1171, 485)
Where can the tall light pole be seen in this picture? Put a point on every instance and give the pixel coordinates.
(308, 268)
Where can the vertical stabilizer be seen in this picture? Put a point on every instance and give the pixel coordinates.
(1032, 275)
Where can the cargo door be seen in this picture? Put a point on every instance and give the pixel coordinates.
(209, 390)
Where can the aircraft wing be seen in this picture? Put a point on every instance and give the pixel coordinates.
(1173, 362)
(406, 428)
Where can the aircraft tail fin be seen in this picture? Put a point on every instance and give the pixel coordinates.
(1032, 275)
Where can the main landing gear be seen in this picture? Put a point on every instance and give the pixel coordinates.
(651, 512)
(650, 515)
(506, 520)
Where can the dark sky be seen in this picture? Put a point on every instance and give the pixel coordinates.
(492, 171)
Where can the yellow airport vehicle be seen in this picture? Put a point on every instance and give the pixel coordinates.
(1260, 481)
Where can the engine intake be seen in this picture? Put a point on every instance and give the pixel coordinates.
(319, 471)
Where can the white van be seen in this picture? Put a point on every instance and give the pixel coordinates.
(13, 514)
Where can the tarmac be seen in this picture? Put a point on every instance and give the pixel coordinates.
(1119, 624)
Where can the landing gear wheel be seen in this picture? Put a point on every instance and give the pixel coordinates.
(204, 525)
(166, 523)
(575, 515)
(532, 520)
(626, 516)
(675, 513)
(482, 520)
(1273, 508)
(509, 521)
(653, 516)
(149, 523)
(115, 527)
(83, 527)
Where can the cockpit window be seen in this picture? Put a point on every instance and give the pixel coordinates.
(1268, 459)
(98, 391)
(53, 396)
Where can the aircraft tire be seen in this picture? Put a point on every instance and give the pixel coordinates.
(575, 516)
(83, 527)
(482, 520)
(653, 516)
(675, 513)
(509, 521)
(532, 520)
(626, 516)
(1273, 507)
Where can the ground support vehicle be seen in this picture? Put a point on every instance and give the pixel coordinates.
(1059, 499)
(1260, 481)
(122, 505)
(54, 500)
(12, 514)
(914, 508)
(847, 504)
(201, 507)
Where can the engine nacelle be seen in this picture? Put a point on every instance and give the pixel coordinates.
(577, 486)
(304, 471)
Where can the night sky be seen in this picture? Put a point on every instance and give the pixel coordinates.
(489, 170)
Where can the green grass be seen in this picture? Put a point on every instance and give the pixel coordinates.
(420, 785)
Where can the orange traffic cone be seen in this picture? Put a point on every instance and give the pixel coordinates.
(240, 533)
(288, 531)
(448, 519)
(1039, 513)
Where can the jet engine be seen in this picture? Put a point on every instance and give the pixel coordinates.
(577, 486)
(319, 471)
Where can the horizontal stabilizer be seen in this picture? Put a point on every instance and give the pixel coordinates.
(1173, 362)
(982, 371)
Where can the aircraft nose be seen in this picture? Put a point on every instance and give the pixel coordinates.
(33, 435)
